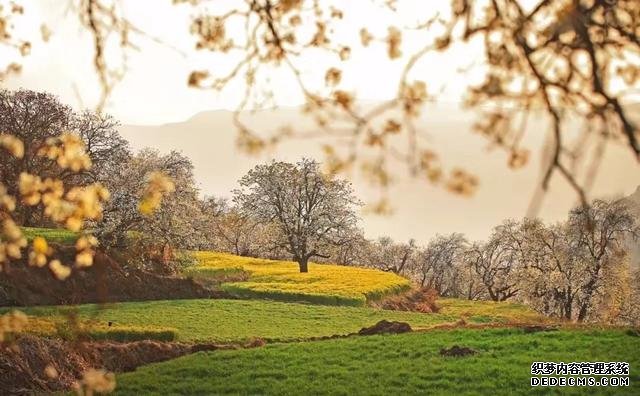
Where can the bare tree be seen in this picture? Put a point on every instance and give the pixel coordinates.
(106, 147)
(352, 251)
(630, 309)
(237, 232)
(570, 264)
(599, 232)
(177, 223)
(497, 264)
(387, 255)
(311, 210)
(438, 266)
(554, 288)
(471, 285)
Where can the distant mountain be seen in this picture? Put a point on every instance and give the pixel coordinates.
(421, 210)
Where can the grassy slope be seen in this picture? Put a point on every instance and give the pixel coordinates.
(281, 280)
(406, 364)
(489, 311)
(50, 234)
(238, 320)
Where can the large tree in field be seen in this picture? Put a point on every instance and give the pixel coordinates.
(312, 210)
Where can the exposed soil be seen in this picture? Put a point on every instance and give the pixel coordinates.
(104, 281)
(23, 363)
(255, 343)
(415, 300)
(386, 327)
(457, 351)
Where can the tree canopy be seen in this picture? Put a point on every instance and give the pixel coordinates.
(312, 210)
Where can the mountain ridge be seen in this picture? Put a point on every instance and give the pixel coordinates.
(421, 209)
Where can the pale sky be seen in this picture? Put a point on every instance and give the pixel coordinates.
(154, 92)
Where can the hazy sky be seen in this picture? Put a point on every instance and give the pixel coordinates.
(421, 210)
(154, 92)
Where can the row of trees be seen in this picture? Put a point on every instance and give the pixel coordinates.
(578, 269)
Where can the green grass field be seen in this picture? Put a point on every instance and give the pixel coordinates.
(56, 235)
(281, 280)
(402, 364)
(293, 364)
(489, 311)
(240, 320)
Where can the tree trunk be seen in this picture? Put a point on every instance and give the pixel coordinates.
(304, 265)
(492, 296)
(582, 314)
(568, 309)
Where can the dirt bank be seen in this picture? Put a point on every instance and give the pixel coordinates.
(415, 300)
(23, 364)
(105, 281)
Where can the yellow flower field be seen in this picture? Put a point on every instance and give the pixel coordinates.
(281, 280)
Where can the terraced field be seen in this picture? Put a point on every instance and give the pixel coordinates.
(331, 300)
(241, 320)
(281, 280)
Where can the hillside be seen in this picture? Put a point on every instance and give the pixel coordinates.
(105, 281)
(281, 280)
(307, 343)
